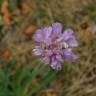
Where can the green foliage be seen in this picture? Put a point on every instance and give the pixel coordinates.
(12, 4)
(1, 1)
(1, 20)
(18, 83)
(4, 80)
(50, 76)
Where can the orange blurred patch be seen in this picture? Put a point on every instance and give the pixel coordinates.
(88, 34)
(51, 94)
(26, 6)
(6, 54)
(29, 30)
(86, 30)
(5, 11)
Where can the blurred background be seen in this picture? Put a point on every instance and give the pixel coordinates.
(20, 18)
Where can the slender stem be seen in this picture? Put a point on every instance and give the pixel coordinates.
(34, 73)
(44, 82)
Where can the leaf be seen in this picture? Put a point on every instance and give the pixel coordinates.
(34, 73)
(1, 19)
(22, 78)
(51, 75)
(9, 66)
(4, 84)
(20, 74)
(2, 74)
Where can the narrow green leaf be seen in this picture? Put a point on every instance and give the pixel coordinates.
(38, 68)
(44, 82)
(21, 73)
(9, 66)
(1, 19)
(24, 74)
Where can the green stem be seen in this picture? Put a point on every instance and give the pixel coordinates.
(34, 73)
(44, 82)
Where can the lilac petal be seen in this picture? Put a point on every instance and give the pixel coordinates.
(46, 60)
(59, 58)
(48, 41)
(73, 42)
(68, 31)
(46, 35)
(48, 52)
(57, 29)
(69, 38)
(56, 65)
(37, 51)
(71, 57)
(47, 32)
(67, 34)
(57, 50)
(68, 55)
(38, 36)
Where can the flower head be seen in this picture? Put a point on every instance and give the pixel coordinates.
(55, 46)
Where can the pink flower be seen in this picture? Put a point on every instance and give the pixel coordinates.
(55, 46)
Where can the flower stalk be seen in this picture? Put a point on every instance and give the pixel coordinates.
(48, 78)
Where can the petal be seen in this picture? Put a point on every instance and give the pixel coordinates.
(68, 55)
(68, 31)
(47, 32)
(73, 42)
(59, 58)
(71, 57)
(48, 41)
(37, 51)
(67, 34)
(57, 29)
(69, 38)
(56, 65)
(38, 36)
(48, 52)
